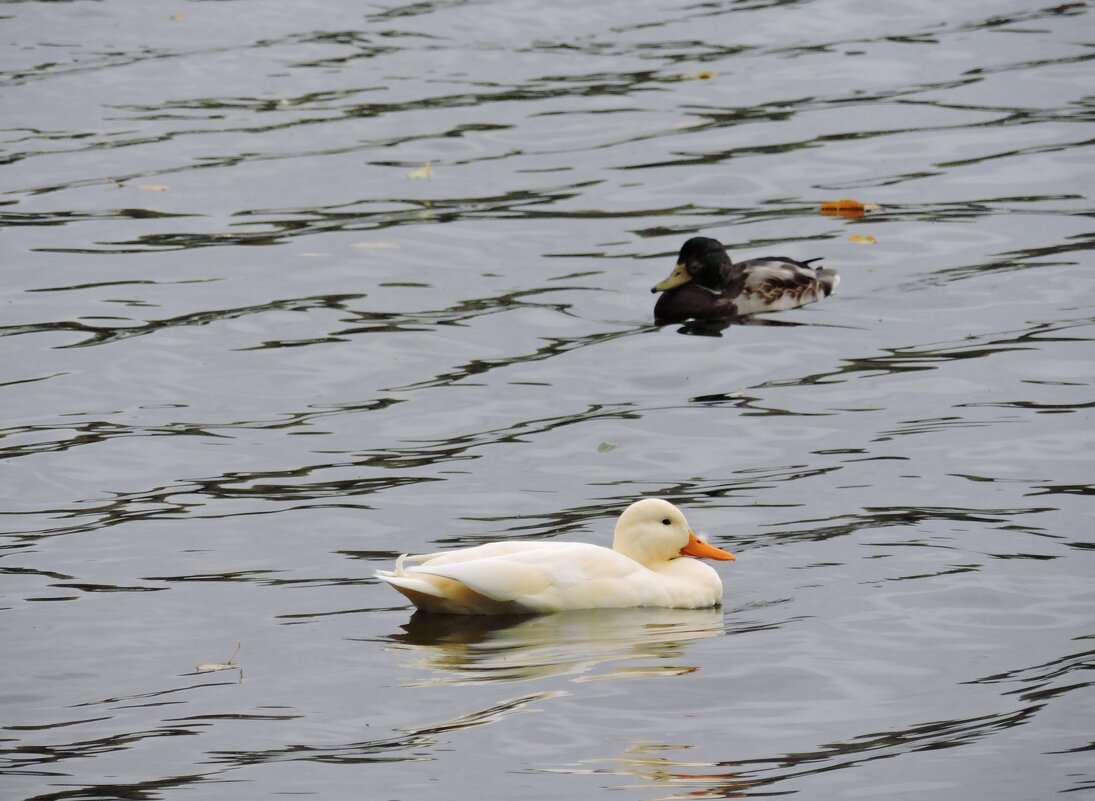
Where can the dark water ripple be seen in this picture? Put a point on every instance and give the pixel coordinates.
(254, 349)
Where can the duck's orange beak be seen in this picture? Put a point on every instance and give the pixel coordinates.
(697, 547)
(680, 275)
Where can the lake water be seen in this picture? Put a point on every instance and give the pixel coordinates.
(255, 349)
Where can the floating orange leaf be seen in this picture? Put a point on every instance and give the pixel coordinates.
(843, 208)
(862, 240)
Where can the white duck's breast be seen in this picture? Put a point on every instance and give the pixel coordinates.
(691, 584)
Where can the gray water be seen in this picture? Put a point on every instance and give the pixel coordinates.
(252, 352)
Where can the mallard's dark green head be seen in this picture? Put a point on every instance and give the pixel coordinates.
(702, 260)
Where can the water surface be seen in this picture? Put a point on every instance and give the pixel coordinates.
(253, 351)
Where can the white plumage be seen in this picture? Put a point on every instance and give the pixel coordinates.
(646, 566)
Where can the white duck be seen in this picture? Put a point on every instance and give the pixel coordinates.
(643, 568)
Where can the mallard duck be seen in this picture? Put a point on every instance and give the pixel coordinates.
(644, 567)
(706, 285)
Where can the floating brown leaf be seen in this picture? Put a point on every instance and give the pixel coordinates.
(843, 208)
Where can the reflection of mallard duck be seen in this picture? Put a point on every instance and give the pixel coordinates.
(706, 285)
(643, 568)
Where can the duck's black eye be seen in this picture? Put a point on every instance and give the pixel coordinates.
(665, 522)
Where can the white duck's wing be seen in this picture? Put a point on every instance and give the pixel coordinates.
(415, 581)
(776, 284)
(499, 579)
(556, 576)
(477, 552)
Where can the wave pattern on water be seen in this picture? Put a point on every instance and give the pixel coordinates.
(292, 290)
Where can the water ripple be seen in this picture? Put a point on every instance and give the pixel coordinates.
(254, 350)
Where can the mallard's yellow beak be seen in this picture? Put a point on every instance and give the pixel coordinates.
(676, 278)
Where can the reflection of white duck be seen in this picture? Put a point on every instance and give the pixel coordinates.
(643, 568)
(607, 643)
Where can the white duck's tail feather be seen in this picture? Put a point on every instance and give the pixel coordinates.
(409, 583)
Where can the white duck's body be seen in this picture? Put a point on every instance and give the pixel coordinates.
(646, 566)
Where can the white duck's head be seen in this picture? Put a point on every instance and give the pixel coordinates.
(653, 531)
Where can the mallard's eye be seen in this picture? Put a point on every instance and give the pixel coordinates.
(665, 522)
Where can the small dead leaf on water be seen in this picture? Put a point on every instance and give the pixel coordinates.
(376, 245)
(703, 75)
(153, 187)
(425, 171)
(209, 667)
(859, 239)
